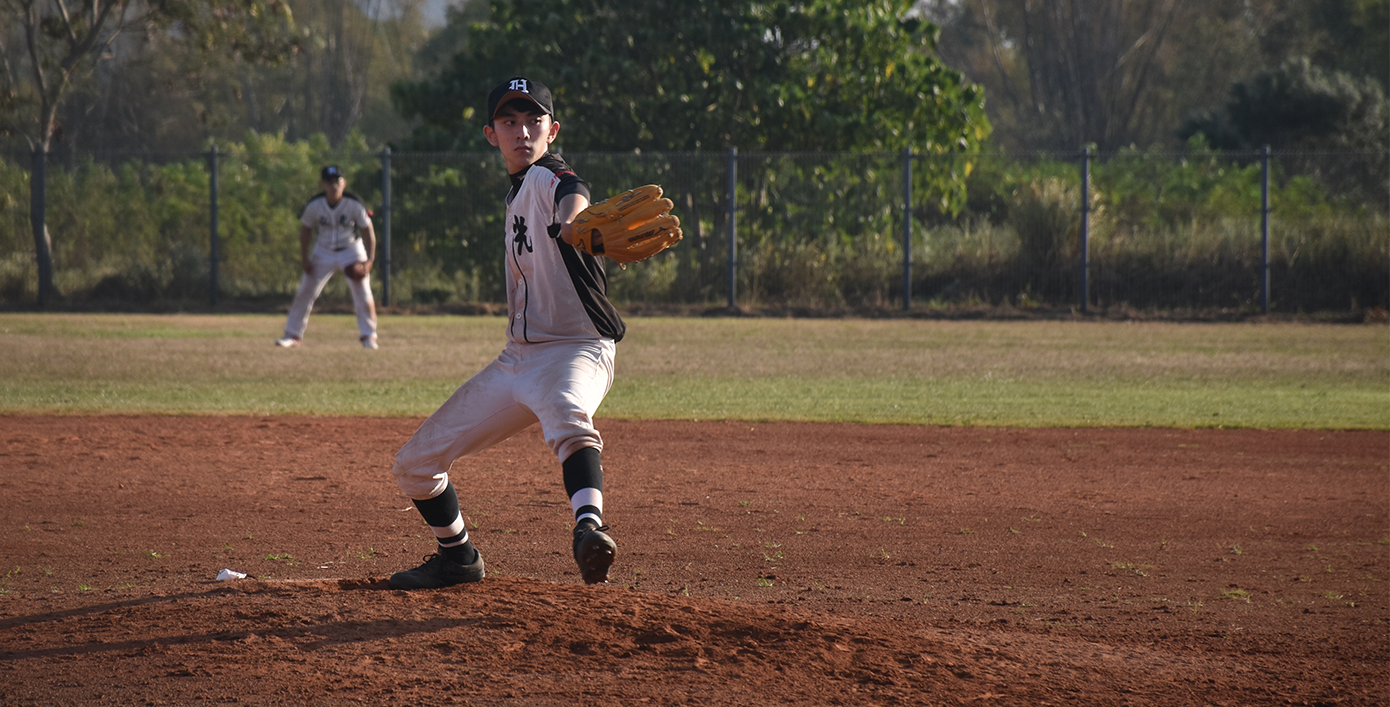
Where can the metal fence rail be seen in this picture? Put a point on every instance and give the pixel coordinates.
(1256, 231)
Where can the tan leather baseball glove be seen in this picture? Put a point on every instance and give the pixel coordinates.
(632, 226)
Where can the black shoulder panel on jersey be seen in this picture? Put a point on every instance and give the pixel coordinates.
(552, 162)
(591, 286)
(570, 183)
(354, 197)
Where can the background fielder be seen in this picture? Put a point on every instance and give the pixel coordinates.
(345, 241)
(557, 365)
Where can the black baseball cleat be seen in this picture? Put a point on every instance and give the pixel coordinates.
(593, 552)
(438, 571)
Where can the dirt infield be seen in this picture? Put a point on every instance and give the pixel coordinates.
(758, 564)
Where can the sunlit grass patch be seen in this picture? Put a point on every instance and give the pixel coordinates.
(851, 370)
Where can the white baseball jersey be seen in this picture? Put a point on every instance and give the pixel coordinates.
(337, 226)
(558, 363)
(554, 291)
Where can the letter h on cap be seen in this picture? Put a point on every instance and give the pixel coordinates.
(520, 85)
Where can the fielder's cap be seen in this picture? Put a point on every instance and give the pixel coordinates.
(519, 87)
(331, 173)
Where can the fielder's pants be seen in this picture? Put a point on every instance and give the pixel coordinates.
(559, 383)
(324, 263)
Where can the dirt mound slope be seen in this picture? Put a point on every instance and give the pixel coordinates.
(758, 564)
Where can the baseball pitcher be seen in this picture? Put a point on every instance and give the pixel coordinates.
(557, 365)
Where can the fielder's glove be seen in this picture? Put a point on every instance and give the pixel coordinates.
(357, 271)
(632, 226)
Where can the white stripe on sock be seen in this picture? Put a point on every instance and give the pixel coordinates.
(454, 528)
(586, 497)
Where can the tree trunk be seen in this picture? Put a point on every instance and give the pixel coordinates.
(43, 245)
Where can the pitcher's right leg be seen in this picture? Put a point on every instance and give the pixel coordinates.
(481, 413)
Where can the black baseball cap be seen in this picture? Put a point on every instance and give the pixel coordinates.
(331, 173)
(519, 87)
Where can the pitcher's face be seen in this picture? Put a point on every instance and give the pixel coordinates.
(522, 137)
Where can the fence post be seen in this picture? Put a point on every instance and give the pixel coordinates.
(907, 228)
(386, 226)
(733, 224)
(1085, 228)
(214, 238)
(1264, 230)
(43, 247)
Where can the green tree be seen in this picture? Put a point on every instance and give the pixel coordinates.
(672, 78)
(1071, 72)
(782, 75)
(159, 93)
(1299, 107)
(444, 42)
(63, 41)
(1350, 36)
(1129, 72)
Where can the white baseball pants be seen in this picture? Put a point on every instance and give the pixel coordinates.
(324, 263)
(558, 383)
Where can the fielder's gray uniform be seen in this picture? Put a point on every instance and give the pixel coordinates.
(336, 246)
(558, 362)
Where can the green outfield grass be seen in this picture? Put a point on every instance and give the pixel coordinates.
(889, 371)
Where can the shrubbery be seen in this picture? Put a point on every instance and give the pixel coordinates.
(819, 231)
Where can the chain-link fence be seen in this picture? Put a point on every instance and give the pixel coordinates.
(1293, 232)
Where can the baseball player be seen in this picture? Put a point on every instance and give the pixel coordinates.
(555, 369)
(346, 242)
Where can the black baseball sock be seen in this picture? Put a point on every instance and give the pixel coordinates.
(442, 514)
(584, 483)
